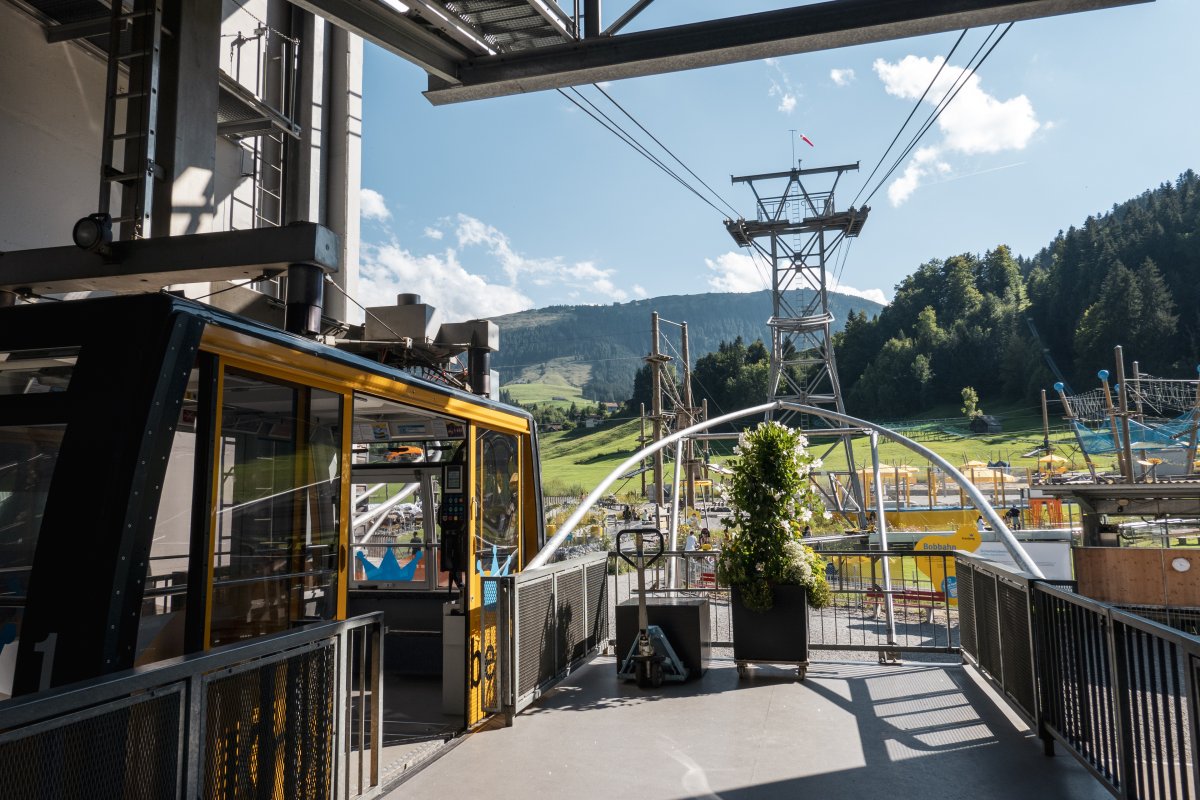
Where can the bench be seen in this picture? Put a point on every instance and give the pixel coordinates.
(926, 599)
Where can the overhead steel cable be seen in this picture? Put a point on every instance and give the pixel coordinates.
(964, 78)
(956, 85)
(908, 119)
(617, 131)
(667, 150)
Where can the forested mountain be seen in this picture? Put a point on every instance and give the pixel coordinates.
(1129, 277)
(611, 341)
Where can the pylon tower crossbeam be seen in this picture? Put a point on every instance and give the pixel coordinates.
(797, 229)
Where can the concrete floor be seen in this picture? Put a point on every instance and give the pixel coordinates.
(851, 730)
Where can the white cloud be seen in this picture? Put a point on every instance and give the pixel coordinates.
(482, 275)
(875, 295)
(738, 272)
(924, 163)
(781, 86)
(443, 282)
(841, 77)
(638, 291)
(975, 123)
(584, 276)
(372, 205)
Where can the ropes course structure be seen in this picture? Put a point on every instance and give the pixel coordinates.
(1156, 421)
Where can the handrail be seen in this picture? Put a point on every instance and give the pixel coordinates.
(23, 709)
(985, 508)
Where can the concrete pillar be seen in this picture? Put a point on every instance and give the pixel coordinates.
(187, 118)
(343, 179)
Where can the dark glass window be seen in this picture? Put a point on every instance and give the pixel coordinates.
(37, 371)
(499, 529)
(276, 557)
(28, 454)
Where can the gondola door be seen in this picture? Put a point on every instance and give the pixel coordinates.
(495, 551)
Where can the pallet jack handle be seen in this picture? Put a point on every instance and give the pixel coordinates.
(640, 534)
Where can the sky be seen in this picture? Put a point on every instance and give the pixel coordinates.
(501, 205)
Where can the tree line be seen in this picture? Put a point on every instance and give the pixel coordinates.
(1130, 277)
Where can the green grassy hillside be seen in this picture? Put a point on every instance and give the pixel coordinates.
(577, 460)
(558, 382)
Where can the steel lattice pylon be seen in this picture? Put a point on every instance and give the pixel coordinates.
(796, 230)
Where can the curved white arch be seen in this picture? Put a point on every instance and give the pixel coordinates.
(985, 508)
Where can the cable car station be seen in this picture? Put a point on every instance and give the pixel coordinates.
(249, 548)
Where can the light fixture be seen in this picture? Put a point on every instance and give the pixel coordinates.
(93, 233)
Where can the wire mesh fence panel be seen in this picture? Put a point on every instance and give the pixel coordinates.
(126, 749)
(923, 598)
(290, 715)
(260, 723)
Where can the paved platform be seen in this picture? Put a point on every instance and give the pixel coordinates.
(851, 730)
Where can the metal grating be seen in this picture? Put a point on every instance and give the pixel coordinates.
(965, 583)
(535, 632)
(596, 579)
(507, 24)
(261, 723)
(987, 633)
(571, 622)
(1015, 652)
(130, 750)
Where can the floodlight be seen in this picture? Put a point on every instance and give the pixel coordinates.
(93, 233)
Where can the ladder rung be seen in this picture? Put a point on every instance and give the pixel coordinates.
(121, 137)
(147, 12)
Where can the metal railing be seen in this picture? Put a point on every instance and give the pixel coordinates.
(537, 626)
(925, 614)
(996, 627)
(296, 715)
(924, 602)
(1118, 691)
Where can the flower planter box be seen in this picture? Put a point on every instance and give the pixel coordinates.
(776, 636)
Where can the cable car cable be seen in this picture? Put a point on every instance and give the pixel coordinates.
(908, 119)
(668, 151)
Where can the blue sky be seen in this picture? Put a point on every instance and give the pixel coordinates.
(521, 202)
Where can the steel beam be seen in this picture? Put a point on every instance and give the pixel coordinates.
(801, 29)
(70, 31)
(388, 27)
(148, 264)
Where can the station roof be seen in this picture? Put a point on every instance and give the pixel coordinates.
(474, 49)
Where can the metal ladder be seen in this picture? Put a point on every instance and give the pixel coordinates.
(135, 176)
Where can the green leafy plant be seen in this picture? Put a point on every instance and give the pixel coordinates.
(773, 500)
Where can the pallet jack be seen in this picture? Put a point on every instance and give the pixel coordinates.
(651, 660)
